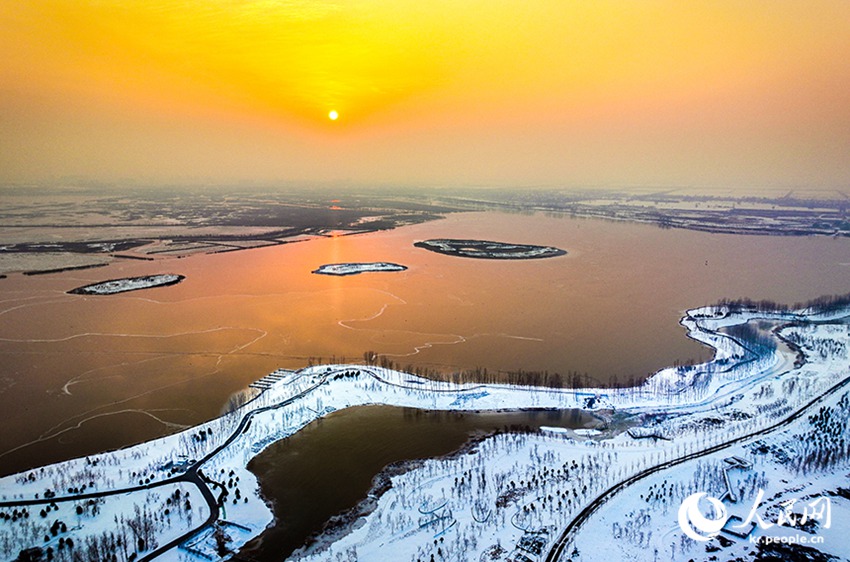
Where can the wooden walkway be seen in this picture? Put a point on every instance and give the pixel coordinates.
(271, 379)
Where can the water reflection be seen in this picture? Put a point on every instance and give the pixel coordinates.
(75, 368)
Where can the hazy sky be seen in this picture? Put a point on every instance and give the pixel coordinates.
(736, 93)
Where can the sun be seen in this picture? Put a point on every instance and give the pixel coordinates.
(333, 115)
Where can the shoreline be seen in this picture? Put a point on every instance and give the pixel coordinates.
(63, 269)
(226, 444)
(345, 521)
(114, 249)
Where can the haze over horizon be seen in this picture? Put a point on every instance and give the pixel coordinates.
(735, 94)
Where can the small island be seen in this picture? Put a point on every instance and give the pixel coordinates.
(486, 249)
(115, 286)
(356, 268)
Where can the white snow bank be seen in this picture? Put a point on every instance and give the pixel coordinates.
(731, 395)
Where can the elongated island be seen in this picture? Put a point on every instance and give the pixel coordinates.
(487, 249)
(115, 286)
(357, 268)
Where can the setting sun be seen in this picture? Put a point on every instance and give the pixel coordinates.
(601, 93)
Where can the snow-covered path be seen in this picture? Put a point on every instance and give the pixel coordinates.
(543, 480)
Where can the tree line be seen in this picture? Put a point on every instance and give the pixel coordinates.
(822, 304)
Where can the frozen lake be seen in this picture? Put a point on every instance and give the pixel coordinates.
(83, 374)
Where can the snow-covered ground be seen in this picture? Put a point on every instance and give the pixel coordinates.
(488, 249)
(510, 496)
(355, 268)
(115, 286)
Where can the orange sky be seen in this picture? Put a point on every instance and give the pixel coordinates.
(742, 94)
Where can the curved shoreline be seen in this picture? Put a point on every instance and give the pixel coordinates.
(282, 410)
(282, 488)
(341, 524)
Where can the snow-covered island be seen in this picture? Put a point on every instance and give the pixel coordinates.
(356, 268)
(487, 249)
(115, 286)
(761, 425)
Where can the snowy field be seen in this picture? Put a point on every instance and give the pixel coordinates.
(512, 495)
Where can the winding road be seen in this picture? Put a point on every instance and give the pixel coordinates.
(193, 475)
(560, 545)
